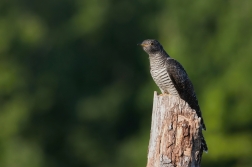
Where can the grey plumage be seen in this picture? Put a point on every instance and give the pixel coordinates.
(170, 77)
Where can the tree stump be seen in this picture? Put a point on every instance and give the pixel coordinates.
(175, 139)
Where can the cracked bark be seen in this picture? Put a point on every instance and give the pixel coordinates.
(175, 139)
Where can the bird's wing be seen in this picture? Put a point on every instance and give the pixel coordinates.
(183, 85)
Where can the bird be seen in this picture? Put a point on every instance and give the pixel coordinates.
(171, 77)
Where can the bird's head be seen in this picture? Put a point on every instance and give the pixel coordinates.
(151, 46)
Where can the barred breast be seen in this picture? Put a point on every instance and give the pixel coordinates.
(161, 77)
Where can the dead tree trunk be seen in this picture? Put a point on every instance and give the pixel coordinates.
(175, 139)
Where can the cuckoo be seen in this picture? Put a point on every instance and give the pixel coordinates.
(171, 77)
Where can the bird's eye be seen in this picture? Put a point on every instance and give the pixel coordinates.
(151, 43)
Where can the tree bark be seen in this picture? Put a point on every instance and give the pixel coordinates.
(175, 139)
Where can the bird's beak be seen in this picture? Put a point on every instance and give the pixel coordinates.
(142, 44)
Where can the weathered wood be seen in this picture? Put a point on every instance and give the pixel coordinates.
(175, 139)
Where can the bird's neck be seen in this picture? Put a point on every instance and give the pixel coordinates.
(158, 59)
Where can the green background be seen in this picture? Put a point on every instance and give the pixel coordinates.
(75, 89)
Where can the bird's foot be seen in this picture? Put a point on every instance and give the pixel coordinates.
(163, 94)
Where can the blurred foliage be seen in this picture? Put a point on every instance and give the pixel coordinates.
(75, 90)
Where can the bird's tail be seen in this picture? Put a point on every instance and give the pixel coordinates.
(203, 124)
(203, 144)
